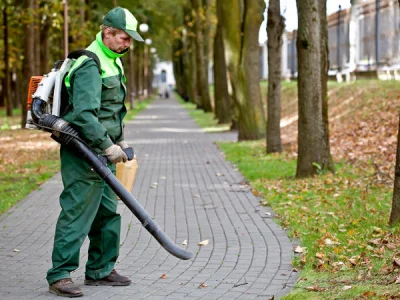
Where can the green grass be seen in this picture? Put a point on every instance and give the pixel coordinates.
(9, 122)
(206, 121)
(3, 112)
(18, 181)
(336, 218)
(138, 107)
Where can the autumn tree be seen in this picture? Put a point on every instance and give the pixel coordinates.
(222, 99)
(7, 78)
(327, 162)
(313, 151)
(29, 66)
(240, 21)
(198, 11)
(275, 27)
(395, 212)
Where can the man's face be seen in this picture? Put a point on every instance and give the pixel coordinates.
(118, 42)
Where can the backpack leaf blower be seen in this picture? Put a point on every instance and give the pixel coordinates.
(43, 102)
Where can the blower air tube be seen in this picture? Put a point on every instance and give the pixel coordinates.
(68, 136)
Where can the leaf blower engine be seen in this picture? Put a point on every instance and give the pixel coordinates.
(44, 102)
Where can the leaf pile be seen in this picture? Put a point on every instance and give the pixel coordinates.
(363, 119)
(18, 147)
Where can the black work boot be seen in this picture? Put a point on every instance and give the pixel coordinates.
(114, 279)
(65, 288)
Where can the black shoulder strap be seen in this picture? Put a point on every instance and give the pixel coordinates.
(77, 53)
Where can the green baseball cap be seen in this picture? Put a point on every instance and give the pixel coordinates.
(122, 18)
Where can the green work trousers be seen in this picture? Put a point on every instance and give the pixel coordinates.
(88, 208)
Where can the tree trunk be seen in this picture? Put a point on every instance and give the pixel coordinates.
(395, 213)
(205, 24)
(131, 81)
(140, 63)
(222, 100)
(136, 67)
(45, 46)
(240, 20)
(7, 79)
(275, 27)
(202, 73)
(326, 159)
(28, 65)
(193, 72)
(312, 150)
(190, 54)
(38, 44)
(178, 65)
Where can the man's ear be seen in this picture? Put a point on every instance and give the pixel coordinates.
(107, 33)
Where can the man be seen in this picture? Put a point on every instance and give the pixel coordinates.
(89, 206)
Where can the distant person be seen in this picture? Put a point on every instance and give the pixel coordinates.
(88, 205)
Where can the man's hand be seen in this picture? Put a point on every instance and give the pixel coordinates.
(123, 144)
(115, 154)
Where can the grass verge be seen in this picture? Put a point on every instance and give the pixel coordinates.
(347, 251)
(18, 181)
(205, 120)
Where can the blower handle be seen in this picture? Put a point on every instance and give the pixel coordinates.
(130, 153)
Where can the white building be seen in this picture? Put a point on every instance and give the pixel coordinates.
(163, 75)
(285, 71)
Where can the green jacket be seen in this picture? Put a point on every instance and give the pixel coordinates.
(96, 101)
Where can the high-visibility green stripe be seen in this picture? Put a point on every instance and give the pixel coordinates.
(131, 22)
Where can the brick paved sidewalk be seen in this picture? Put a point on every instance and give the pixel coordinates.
(194, 195)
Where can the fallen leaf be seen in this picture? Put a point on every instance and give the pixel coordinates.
(202, 285)
(315, 289)
(377, 230)
(329, 242)
(220, 174)
(376, 242)
(369, 294)
(353, 261)
(16, 250)
(203, 243)
(397, 280)
(346, 287)
(319, 255)
(338, 264)
(163, 276)
(299, 249)
(396, 262)
(385, 270)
